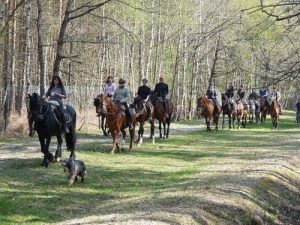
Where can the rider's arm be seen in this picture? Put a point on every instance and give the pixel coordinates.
(125, 99)
(167, 89)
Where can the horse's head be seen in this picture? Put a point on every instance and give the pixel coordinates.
(36, 103)
(138, 104)
(201, 102)
(98, 102)
(224, 97)
(153, 97)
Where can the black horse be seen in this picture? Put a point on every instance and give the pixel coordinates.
(102, 117)
(227, 109)
(46, 124)
(144, 111)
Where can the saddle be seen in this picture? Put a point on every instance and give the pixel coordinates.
(55, 104)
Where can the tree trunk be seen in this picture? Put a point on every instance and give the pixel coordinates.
(40, 47)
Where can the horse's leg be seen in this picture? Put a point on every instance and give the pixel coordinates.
(123, 139)
(223, 121)
(152, 130)
(43, 150)
(160, 134)
(132, 133)
(164, 125)
(103, 125)
(49, 154)
(229, 119)
(168, 127)
(141, 132)
(216, 120)
(207, 120)
(115, 135)
(58, 149)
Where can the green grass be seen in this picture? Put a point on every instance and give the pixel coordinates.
(246, 176)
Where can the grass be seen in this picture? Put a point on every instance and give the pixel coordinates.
(246, 176)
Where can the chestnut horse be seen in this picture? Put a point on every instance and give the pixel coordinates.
(116, 120)
(144, 111)
(159, 114)
(102, 117)
(274, 112)
(240, 113)
(209, 112)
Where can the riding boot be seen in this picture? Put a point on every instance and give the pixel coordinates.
(130, 122)
(64, 124)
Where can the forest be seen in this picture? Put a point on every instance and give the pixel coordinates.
(190, 42)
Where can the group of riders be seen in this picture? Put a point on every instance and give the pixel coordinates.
(253, 96)
(119, 94)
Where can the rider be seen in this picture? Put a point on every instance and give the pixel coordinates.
(253, 96)
(211, 94)
(161, 90)
(56, 92)
(230, 93)
(144, 91)
(263, 92)
(109, 87)
(121, 95)
(276, 95)
(241, 93)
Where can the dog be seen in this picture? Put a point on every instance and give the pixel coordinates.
(74, 168)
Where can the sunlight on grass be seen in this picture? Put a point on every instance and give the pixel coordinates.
(224, 174)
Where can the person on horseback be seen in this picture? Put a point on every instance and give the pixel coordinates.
(161, 90)
(230, 93)
(144, 91)
(276, 95)
(253, 95)
(109, 87)
(263, 92)
(212, 95)
(56, 92)
(241, 93)
(121, 95)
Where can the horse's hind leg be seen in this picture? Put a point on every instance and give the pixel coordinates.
(123, 139)
(159, 126)
(152, 130)
(58, 150)
(223, 122)
(168, 127)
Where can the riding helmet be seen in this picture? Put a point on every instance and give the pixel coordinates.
(122, 81)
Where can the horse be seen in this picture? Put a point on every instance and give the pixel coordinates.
(101, 116)
(46, 124)
(209, 112)
(160, 112)
(254, 111)
(274, 112)
(264, 109)
(116, 120)
(240, 113)
(144, 111)
(227, 109)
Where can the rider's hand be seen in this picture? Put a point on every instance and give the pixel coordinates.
(53, 94)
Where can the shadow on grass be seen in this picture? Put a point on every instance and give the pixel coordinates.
(35, 195)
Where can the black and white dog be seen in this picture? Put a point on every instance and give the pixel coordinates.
(74, 168)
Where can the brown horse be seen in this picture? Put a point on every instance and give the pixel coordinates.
(264, 110)
(101, 116)
(116, 121)
(240, 113)
(274, 112)
(144, 111)
(159, 114)
(209, 112)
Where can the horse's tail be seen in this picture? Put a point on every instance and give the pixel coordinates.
(71, 136)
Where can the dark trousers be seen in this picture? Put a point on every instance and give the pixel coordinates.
(127, 113)
(61, 113)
